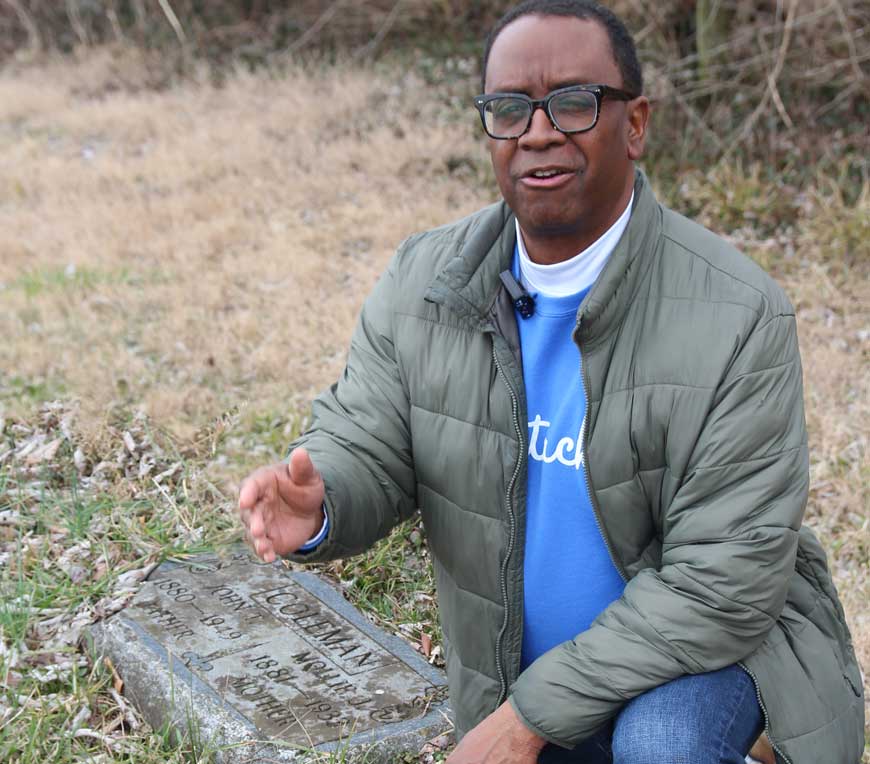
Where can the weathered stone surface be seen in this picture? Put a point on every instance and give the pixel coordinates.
(259, 664)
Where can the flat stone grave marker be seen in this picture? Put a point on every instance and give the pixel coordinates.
(254, 663)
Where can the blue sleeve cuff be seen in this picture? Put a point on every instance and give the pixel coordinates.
(315, 540)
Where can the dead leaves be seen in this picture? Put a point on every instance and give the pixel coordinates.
(133, 453)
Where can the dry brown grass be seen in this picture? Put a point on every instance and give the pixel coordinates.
(202, 247)
(184, 252)
(833, 309)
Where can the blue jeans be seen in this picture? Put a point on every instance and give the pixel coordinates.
(711, 718)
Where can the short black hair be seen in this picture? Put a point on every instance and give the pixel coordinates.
(621, 41)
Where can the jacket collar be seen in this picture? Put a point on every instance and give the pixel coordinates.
(469, 283)
(616, 288)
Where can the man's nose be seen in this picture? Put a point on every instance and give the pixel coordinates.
(542, 131)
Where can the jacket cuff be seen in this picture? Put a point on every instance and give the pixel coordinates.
(540, 733)
(326, 549)
(315, 540)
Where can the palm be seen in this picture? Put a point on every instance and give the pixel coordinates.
(281, 506)
(288, 520)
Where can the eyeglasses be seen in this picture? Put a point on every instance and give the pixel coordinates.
(574, 109)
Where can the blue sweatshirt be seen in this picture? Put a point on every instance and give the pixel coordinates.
(569, 576)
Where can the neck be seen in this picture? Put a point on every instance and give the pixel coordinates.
(551, 246)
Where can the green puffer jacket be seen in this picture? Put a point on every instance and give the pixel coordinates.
(696, 455)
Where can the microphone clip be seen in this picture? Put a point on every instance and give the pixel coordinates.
(523, 301)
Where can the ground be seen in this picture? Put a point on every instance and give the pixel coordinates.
(180, 269)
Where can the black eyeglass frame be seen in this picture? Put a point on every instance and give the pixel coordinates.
(599, 91)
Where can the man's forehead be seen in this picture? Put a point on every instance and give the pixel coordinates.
(548, 52)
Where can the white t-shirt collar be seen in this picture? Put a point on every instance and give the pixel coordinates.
(578, 273)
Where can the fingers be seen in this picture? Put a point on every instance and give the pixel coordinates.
(245, 517)
(257, 535)
(257, 525)
(256, 486)
(301, 468)
(264, 550)
(254, 512)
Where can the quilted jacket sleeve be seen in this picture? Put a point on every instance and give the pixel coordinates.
(359, 437)
(729, 546)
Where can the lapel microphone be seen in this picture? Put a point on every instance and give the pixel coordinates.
(523, 301)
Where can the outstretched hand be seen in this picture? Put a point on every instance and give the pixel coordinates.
(280, 506)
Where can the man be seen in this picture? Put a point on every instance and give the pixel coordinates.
(608, 448)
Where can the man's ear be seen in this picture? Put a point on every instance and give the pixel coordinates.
(636, 123)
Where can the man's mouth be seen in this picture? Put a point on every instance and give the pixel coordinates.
(547, 177)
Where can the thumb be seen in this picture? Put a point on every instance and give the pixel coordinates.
(301, 468)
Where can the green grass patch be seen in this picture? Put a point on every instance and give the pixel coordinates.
(394, 581)
(31, 392)
(39, 281)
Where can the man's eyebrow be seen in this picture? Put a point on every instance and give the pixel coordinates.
(571, 83)
(556, 86)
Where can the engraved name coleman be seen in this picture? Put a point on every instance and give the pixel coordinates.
(315, 689)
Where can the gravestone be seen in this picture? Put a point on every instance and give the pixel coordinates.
(254, 663)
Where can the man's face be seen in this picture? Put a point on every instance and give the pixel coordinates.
(535, 55)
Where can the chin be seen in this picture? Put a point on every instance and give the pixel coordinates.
(549, 223)
(549, 216)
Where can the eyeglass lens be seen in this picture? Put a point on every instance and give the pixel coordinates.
(508, 117)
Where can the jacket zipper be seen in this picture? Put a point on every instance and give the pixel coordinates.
(764, 713)
(596, 510)
(513, 529)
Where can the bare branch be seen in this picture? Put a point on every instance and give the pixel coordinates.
(772, 78)
(313, 30)
(75, 21)
(139, 14)
(694, 117)
(173, 21)
(114, 21)
(850, 39)
(33, 37)
(803, 20)
(370, 47)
